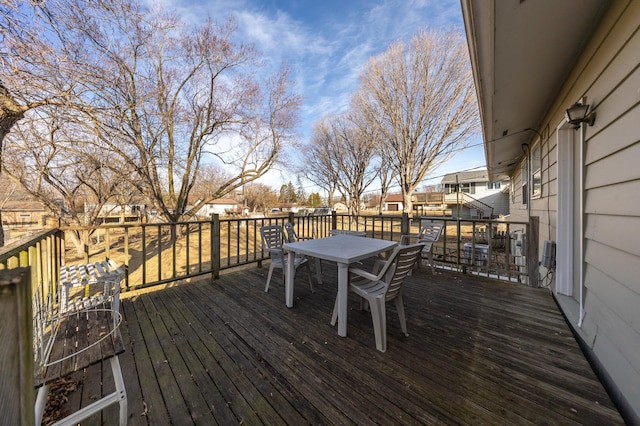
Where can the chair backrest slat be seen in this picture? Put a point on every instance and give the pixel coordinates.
(401, 263)
(430, 232)
(272, 236)
(292, 236)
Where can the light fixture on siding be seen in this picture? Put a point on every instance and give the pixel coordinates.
(579, 113)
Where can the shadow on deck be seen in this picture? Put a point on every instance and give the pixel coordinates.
(224, 352)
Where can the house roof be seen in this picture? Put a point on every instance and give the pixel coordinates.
(24, 205)
(521, 53)
(466, 177)
(393, 198)
(225, 201)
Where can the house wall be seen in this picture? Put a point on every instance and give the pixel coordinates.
(393, 207)
(221, 209)
(24, 218)
(496, 198)
(608, 74)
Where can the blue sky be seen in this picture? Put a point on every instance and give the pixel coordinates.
(327, 43)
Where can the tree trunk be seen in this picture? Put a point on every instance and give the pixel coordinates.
(383, 196)
(407, 204)
(10, 113)
(80, 242)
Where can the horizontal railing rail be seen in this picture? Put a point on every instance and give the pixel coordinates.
(164, 253)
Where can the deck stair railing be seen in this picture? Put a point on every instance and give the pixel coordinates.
(471, 202)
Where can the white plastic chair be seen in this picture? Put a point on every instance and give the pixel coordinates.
(377, 289)
(292, 237)
(429, 234)
(272, 240)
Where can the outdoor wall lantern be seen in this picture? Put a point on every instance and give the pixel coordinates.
(579, 113)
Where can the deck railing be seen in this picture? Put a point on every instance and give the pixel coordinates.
(164, 253)
(42, 253)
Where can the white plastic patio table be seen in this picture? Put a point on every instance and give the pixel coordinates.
(342, 249)
(347, 232)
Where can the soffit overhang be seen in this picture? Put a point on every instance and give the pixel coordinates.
(521, 53)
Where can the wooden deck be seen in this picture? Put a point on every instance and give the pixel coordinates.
(224, 352)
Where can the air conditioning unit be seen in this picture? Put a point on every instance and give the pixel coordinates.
(549, 254)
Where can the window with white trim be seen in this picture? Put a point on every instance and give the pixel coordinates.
(524, 179)
(512, 188)
(536, 173)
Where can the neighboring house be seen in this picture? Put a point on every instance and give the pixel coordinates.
(532, 60)
(24, 213)
(288, 207)
(393, 203)
(340, 206)
(477, 196)
(344, 207)
(220, 206)
(429, 204)
(113, 212)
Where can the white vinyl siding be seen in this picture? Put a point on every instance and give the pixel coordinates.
(607, 74)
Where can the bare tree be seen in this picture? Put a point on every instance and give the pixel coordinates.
(31, 74)
(316, 165)
(17, 30)
(385, 175)
(158, 96)
(47, 156)
(419, 96)
(10, 113)
(183, 97)
(380, 160)
(343, 150)
(208, 182)
(259, 197)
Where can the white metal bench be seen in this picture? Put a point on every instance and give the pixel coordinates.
(76, 331)
(97, 283)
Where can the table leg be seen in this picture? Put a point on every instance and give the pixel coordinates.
(319, 270)
(290, 276)
(343, 290)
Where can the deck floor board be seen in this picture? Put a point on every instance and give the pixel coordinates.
(478, 351)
